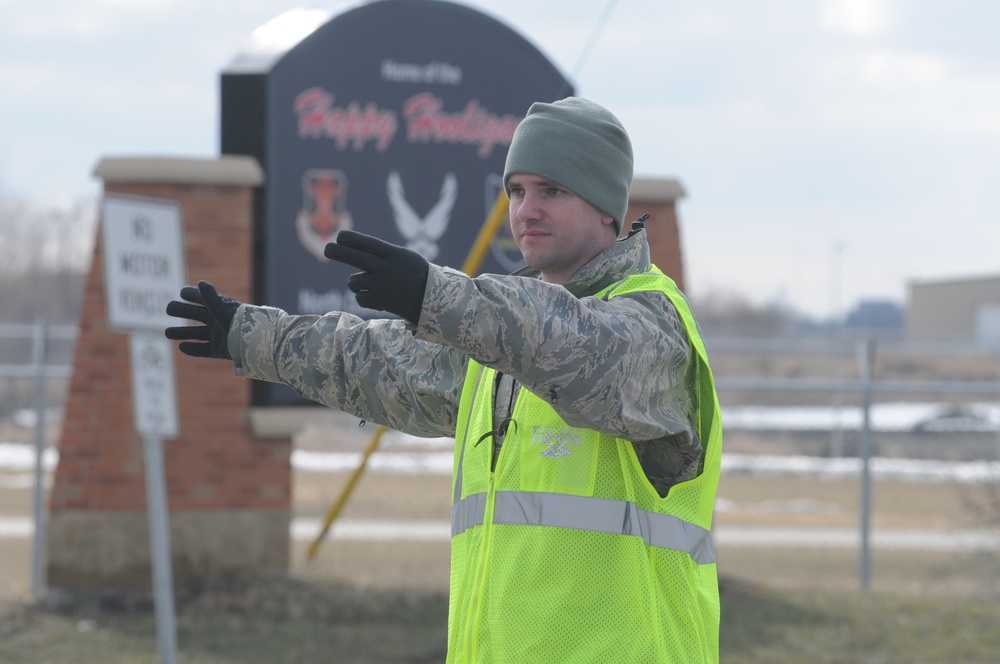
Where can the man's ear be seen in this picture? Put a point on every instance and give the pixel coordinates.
(609, 221)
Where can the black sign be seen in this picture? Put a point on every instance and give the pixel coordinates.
(393, 119)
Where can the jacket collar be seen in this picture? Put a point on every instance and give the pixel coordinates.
(629, 255)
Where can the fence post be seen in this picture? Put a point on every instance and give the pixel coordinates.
(836, 429)
(998, 429)
(39, 357)
(866, 362)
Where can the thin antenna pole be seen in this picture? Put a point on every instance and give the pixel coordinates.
(592, 41)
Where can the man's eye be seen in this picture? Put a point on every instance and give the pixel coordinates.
(554, 191)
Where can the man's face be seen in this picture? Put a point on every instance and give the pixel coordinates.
(557, 231)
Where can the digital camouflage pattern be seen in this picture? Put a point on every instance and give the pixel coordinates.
(621, 366)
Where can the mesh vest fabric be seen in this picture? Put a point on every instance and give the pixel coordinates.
(524, 590)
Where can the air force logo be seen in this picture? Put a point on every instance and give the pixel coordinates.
(422, 233)
(557, 441)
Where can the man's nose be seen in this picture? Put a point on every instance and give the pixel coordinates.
(529, 208)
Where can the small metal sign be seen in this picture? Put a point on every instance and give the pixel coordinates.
(143, 254)
(154, 400)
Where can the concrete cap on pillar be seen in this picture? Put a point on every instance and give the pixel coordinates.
(226, 170)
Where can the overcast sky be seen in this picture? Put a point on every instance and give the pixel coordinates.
(832, 150)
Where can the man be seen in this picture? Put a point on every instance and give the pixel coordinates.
(578, 391)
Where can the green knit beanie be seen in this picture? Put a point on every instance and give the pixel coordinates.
(579, 145)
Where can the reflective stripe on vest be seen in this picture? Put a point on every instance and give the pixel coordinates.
(615, 517)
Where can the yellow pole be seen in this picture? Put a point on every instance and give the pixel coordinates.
(486, 234)
(471, 267)
(337, 506)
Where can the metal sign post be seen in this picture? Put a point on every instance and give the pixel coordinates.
(38, 496)
(155, 413)
(143, 270)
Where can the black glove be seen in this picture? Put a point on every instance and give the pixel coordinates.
(393, 279)
(214, 310)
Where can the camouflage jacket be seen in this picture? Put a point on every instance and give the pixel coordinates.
(621, 367)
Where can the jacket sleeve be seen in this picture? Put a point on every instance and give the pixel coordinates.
(619, 366)
(377, 370)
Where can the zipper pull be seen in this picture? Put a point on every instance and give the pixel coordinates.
(638, 224)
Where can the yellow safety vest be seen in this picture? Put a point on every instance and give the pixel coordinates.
(565, 552)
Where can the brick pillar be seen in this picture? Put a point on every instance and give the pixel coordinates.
(228, 494)
(658, 197)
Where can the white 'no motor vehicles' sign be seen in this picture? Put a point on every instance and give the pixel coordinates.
(143, 253)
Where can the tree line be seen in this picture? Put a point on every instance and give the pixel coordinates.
(44, 257)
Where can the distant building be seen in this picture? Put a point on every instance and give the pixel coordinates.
(955, 310)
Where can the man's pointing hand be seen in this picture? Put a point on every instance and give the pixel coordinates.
(392, 277)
